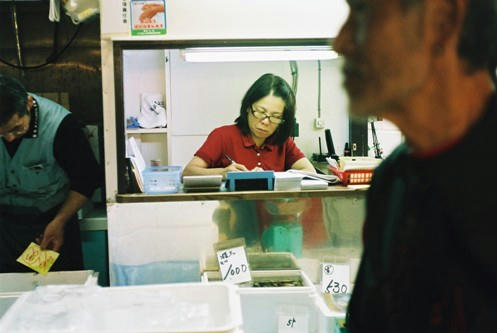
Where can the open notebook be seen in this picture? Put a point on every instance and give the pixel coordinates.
(329, 179)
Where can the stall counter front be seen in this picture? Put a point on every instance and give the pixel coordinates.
(168, 238)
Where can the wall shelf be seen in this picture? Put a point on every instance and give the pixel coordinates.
(146, 130)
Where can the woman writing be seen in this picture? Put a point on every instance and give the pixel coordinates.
(259, 139)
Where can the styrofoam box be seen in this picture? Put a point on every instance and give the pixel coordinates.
(13, 285)
(261, 305)
(173, 308)
(20, 282)
(6, 302)
(327, 318)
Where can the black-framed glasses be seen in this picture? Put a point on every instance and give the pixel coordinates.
(261, 115)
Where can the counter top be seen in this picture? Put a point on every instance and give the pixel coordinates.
(335, 190)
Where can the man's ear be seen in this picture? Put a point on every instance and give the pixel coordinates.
(444, 21)
(30, 102)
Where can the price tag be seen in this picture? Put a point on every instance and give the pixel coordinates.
(335, 278)
(37, 259)
(293, 323)
(233, 265)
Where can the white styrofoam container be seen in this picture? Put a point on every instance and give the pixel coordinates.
(326, 317)
(13, 285)
(261, 305)
(150, 308)
(6, 302)
(20, 282)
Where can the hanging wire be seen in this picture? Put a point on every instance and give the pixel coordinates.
(294, 69)
(16, 30)
(54, 56)
(319, 88)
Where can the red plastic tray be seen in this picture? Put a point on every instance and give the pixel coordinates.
(353, 177)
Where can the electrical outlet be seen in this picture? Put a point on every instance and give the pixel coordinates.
(318, 123)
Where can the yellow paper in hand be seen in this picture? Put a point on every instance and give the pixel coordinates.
(37, 259)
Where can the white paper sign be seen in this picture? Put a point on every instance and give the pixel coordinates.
(233, 265)
(296, 323)
(335, 278)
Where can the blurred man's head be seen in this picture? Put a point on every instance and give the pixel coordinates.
(394, 49)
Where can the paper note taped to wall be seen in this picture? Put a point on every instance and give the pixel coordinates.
(37, 259)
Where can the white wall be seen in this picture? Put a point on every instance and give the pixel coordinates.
(208, 95)
(143, 73)
(187, 19)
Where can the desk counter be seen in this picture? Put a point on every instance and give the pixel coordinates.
(240, 195)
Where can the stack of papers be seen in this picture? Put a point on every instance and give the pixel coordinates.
(287, 181)
(314, 184)
(295, 180)
(329, 179)
(354, 163)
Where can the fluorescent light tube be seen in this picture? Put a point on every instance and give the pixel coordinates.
(226, 54)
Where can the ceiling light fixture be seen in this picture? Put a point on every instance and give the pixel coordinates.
(244, 54)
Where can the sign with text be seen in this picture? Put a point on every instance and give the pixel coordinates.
(335, 278)
(37, 259)
(148, 17)
(293, 323)
(233, 265)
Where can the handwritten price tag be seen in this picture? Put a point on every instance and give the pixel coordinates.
(335, 278)
(37, 259)
(233, 265)
(288, 323)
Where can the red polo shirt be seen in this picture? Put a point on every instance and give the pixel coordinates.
(241, 148)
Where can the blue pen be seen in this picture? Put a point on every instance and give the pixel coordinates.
(229, 159)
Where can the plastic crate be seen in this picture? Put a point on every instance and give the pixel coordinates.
(162, 179)
(353, 177)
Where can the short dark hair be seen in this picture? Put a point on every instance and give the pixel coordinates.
(478, 39)
(264, 86)
(13, 99)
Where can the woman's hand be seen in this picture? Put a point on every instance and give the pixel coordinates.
(235, 167)
(257, 169)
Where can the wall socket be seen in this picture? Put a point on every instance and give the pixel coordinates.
(318, 123)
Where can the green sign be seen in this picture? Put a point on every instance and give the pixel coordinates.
(148, 17)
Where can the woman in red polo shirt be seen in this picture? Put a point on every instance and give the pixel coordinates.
(259, 139)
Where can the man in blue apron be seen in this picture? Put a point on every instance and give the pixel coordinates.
(47, 173)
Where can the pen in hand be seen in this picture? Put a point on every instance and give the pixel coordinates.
(229, 159)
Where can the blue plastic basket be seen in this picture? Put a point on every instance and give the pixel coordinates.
(162, 179)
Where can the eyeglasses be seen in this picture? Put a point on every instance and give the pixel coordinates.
(20, 128)
(261, 115)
